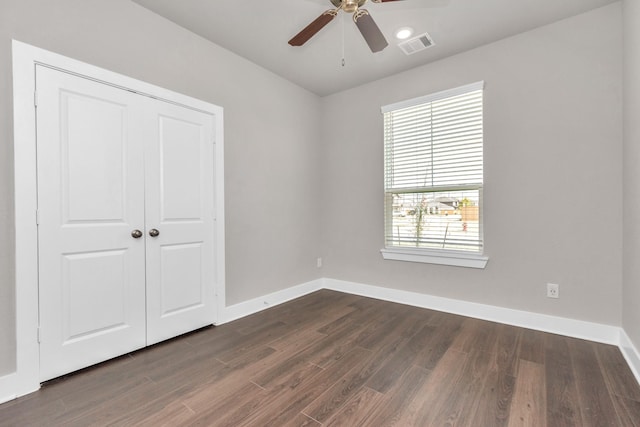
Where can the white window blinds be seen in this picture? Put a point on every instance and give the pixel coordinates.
(434, 170)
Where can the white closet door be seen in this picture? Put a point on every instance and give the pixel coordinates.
(179, 163)
(90, 199)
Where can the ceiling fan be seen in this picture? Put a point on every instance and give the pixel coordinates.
(365, 23)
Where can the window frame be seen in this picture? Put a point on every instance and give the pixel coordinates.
(450, 257)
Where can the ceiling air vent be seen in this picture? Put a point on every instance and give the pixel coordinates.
(416, 44)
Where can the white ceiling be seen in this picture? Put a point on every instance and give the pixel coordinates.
(259, 30)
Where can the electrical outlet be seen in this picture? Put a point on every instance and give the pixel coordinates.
(319, 262)
(553, 290)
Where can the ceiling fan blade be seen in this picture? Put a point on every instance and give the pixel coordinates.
(310, 30)
(382, 1)
(370, 31)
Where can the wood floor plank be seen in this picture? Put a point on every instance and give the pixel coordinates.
(263, 402)
(79, 408)
(87, 380)
(456, 375)
(426, 403)
(381, 325)
(108, 410)
(268, 333)
(595, 405)
(628, 411)
(495, 400)
(563, 407)
(79, 391)
(493, 404)
(311, 303)
(249, 324)
(394, 406)
(187, 385)
(444, 329)
(137, 411)
(330, 354)
(476, 335)
(617, 374)
(137, 404)
(507, 348)
(210, 404)
(329, 310)
(174, 414)
(178, 365)
(366, 303)
(316, 361)
(339, 342)
(356, 316)
(405, 356)
(296, 340)
(286, 405)
(337, 395)
(30, 410)
(356, 409)
(301, 420)
(220, 394)
(302, 357)
(532, 346)
(528, 408)
(254, 360)
(468, 393)
(197, 338)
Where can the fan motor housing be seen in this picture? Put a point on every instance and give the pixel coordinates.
(338, 3)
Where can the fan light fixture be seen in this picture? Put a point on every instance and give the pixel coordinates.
(404, 33)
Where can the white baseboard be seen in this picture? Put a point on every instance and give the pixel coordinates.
(8, 387)
(255, 305)
(541, 322)
(16, 384)
(630, 353)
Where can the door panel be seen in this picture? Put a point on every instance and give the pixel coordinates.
(181, 264)
(180, 204)
(181, 154)
(90, 198)
(93, 294)
(93, 149)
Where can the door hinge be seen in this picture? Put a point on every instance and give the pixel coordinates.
(35, 99)
(37, 217)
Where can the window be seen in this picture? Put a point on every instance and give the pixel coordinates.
(433, 153)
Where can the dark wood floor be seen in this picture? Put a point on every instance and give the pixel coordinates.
(333, 359)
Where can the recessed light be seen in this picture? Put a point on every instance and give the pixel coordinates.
(404, 33)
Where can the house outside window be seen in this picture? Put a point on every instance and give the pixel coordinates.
(433, 180)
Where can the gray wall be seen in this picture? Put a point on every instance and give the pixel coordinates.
(631, 288)
(271, 136)
(553, 172)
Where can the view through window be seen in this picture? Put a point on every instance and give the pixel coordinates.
(434, 171)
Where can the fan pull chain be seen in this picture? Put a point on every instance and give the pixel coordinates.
(343, 61)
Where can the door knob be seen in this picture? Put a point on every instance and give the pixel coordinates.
(136, 234)
(154, 233)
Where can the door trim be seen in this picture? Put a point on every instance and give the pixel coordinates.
(25, 58)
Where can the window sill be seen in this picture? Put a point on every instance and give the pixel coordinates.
(457, 259)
